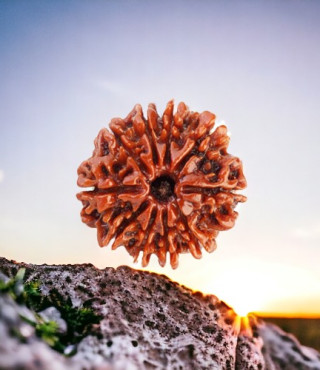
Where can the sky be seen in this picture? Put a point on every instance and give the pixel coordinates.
(67, 68)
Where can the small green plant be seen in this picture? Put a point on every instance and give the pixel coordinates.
(79, 319)
(48, 331)
(32, 289)
(14, 286)
(21, 293)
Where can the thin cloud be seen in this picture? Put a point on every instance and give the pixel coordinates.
(1, 176)
(309, 232)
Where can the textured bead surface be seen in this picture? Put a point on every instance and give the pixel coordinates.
(161, 184)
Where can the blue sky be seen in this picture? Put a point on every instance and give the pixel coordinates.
(67, 68)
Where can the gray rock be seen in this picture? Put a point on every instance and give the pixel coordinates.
(146, 322)
(282, 351)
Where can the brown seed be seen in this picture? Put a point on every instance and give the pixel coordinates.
(161, 184)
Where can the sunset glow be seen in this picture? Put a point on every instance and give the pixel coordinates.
(257, 289)
(252, 286)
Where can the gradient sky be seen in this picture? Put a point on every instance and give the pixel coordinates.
(67, 68)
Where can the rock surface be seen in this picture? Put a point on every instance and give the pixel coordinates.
(141, 321)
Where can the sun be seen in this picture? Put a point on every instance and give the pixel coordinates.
(242, 304)
(239, 290)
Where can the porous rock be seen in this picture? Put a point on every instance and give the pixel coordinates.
(146, 321)
(282, 351)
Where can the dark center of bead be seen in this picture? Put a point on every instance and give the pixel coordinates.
(162, 188)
